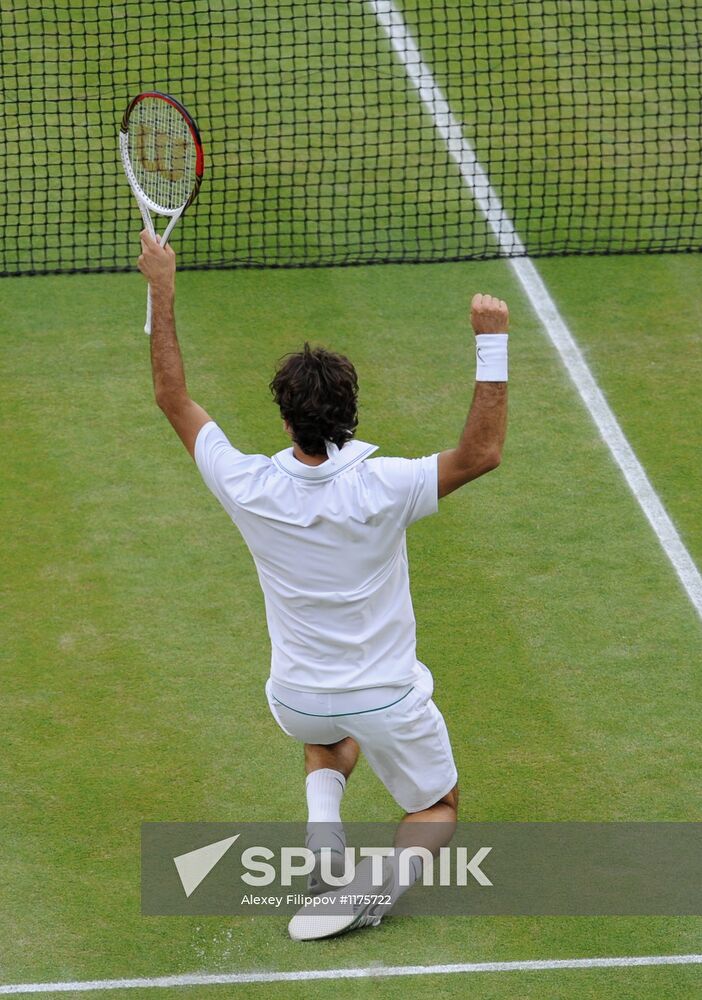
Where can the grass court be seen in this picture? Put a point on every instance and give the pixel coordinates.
(565, 652)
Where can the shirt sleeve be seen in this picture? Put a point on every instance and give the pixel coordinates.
(226, 471)
(414, 483)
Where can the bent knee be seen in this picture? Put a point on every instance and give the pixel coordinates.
(450, 799)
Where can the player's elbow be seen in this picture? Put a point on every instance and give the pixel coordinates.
(485, 462)
(491, 461)
(168, 401)
(162, 400)
(453, 473)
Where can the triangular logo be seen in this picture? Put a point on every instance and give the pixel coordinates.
(194, 866)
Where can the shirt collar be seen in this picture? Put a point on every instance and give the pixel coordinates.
(351, 454)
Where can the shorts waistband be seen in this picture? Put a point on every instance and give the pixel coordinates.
(336, 703)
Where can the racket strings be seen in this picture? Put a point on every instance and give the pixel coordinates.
(162, 153)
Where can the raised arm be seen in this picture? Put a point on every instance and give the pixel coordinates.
(480, 447)
(158, 265)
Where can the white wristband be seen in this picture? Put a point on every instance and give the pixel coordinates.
(491, 357)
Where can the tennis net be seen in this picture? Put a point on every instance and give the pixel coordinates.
(584, 114)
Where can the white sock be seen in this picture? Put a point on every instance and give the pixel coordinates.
(324, 791)
(416, 867)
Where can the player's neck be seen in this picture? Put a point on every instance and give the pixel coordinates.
(300, 455)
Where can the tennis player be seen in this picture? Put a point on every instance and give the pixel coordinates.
(325, 523)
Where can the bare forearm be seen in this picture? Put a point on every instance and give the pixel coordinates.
(166, 360)
(157, 264)
(479, 449)
(483, 437)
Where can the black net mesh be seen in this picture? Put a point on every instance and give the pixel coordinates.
(585, 115)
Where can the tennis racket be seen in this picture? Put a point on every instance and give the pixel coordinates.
(163, 160)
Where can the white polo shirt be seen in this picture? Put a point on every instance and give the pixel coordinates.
(329, 546)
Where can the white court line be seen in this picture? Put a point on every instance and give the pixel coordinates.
(373, 972)
(488, 201)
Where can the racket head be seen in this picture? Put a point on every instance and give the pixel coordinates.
(161, 152)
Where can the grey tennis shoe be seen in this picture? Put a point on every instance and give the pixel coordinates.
(338, 911)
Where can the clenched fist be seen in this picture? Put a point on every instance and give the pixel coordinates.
(488, 314)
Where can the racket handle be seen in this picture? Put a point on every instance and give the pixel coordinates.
(162, 240)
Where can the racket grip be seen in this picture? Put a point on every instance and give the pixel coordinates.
(147, 325)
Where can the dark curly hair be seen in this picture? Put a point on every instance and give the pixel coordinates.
(317, 392)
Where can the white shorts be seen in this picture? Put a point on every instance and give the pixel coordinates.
(404, 739)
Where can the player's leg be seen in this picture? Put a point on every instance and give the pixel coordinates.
(341, 756)
(328, 767)
(427, 829)
(443, 815)
(330, 757)
(408, 747)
